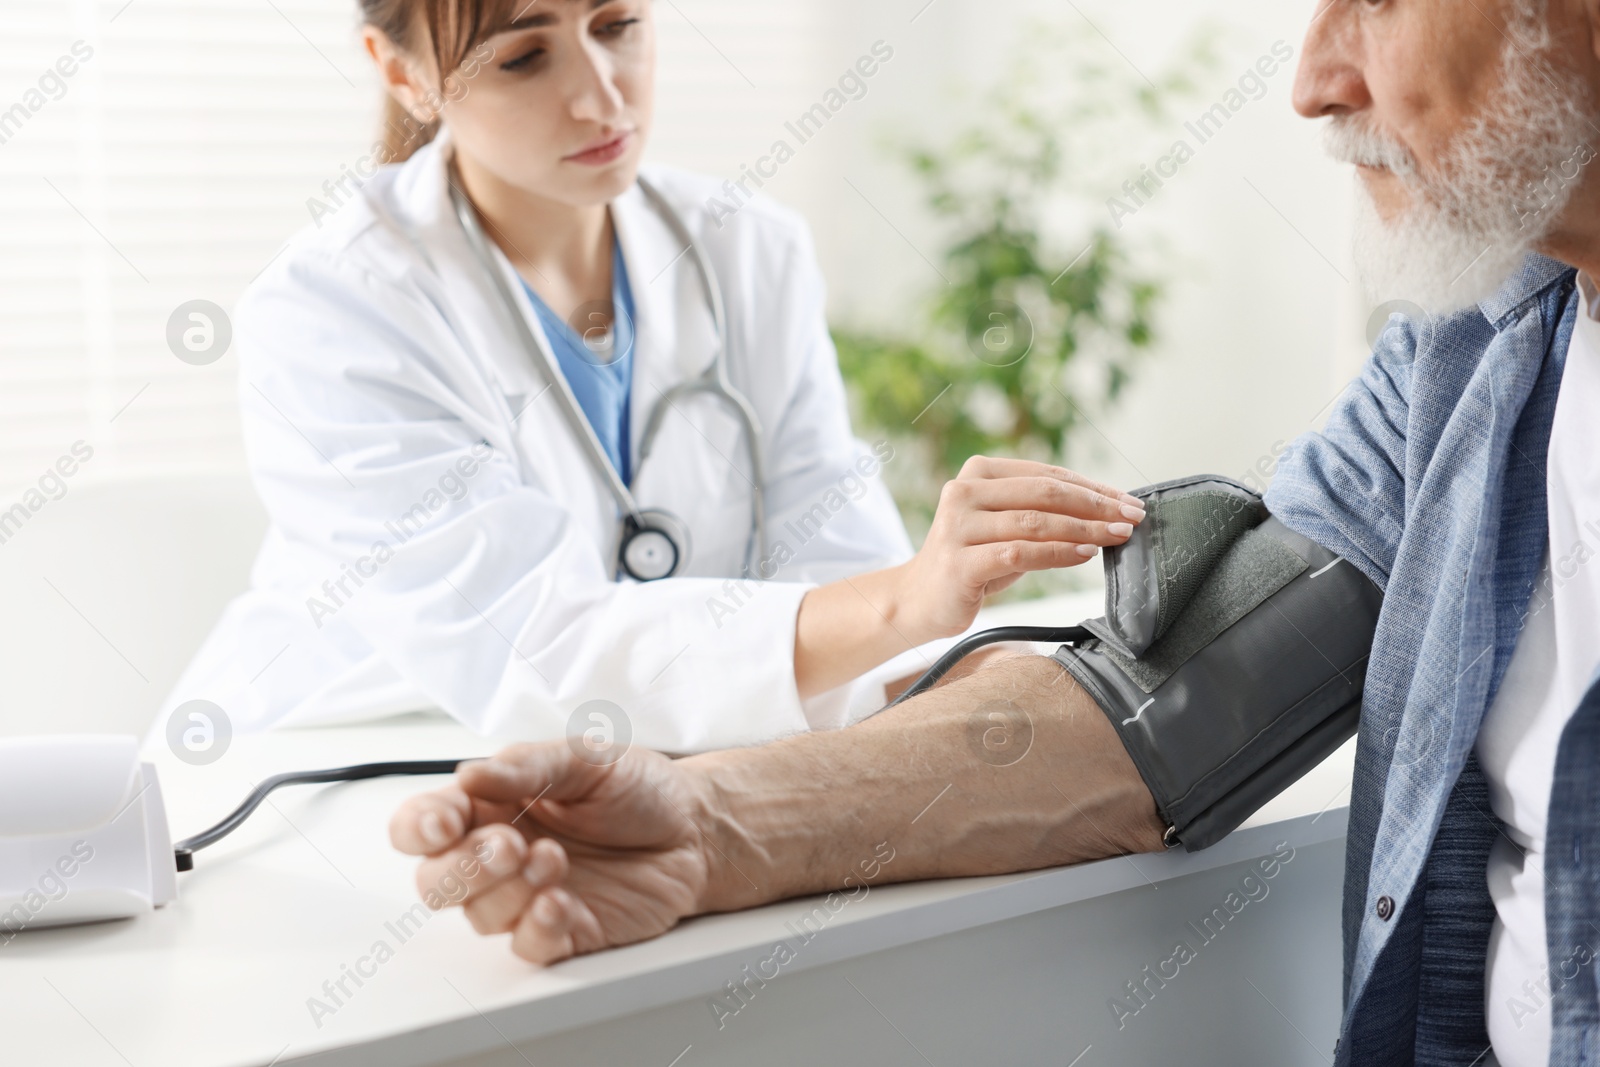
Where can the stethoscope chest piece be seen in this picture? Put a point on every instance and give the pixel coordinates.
(654, 545)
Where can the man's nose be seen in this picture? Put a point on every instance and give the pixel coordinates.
(1330, 81)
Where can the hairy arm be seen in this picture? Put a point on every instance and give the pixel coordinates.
(1012, 768)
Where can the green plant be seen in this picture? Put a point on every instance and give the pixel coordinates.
(1048, 305)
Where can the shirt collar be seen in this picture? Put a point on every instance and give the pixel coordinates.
(1591, 296)
(1535, 275)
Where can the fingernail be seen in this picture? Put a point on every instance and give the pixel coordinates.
(546, 912)
(1087, 551)
(432, 829)
(1132, 513)
(502, 855)
(1119, 529)
(538, 868)
(1129, 498)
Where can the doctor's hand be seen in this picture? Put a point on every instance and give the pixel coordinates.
(565, 855)
(996, 521)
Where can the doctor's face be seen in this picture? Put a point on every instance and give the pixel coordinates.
(559, 98)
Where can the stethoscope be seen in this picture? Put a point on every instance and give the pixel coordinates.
(655, 543)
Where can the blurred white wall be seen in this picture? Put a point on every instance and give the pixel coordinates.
(185, 152)
(1263, 326)
(175, 162)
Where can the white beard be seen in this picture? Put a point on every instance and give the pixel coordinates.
(1439, 264)
(1498, 191)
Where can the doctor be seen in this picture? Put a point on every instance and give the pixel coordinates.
(533, 430)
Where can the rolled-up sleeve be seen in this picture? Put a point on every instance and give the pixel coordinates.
(1344, 486)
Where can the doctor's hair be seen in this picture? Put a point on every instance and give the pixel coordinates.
(450, 29)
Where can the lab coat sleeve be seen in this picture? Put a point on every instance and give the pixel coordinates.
(365, 431)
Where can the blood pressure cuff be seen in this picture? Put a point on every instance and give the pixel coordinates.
(1231, 657)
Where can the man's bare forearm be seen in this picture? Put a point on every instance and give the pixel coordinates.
(1012, 768)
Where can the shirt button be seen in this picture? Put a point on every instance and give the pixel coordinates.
(1385, 908)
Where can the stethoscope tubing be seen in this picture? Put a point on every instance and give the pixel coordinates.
(714, 381)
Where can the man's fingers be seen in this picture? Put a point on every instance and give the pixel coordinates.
(557, 925)
(548, 769)
(514, 813)
(547, 864)
(544, 934)
(998, 467)
(498, 910)
(429, 823)
(484, 859)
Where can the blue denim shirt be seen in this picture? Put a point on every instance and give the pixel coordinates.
(1430, 477)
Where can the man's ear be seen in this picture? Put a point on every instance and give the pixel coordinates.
(400, 74)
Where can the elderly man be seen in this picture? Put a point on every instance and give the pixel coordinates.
(1458, 473)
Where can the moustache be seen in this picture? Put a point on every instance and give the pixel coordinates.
(1350, 140)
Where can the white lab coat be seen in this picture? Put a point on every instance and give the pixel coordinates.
(377, 366)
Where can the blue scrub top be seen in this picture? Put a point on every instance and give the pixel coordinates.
(599, 370)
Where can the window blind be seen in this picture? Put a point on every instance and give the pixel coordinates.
(168, 167)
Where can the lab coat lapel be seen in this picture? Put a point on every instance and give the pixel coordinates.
(674, 342)
(671, 335)
(552, 456)
(482, 319)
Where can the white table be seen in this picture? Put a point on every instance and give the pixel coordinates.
(1019, 969)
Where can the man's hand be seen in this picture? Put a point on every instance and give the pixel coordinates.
(581, 856)
(1013, 768)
